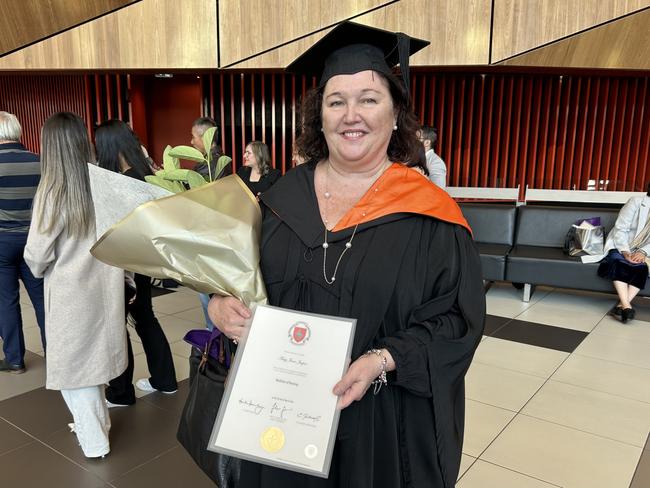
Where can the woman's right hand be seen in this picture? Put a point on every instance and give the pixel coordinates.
(634, 257)
(229, 315)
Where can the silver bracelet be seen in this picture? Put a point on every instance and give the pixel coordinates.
(381, 379)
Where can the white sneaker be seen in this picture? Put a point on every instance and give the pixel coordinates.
(115, 405)
(143, 384)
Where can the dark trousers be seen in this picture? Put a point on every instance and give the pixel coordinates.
(156, 349)
(12, 269)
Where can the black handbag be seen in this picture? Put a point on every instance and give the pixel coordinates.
(207, 379)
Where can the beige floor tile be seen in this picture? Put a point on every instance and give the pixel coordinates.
(592, 411)
(487, 475)
(174, 302)
(182, 367)
(606, 376)
(504, 300)
(616, 349)
(175, 328)
(29, 317)
(193, 315)
(482, 424)
(533, 360)
(33, 341)
(16, 384)
(636, 330)
(465, 462)
(550, 314)
(181, 348)
(563, 456)
(499, 387)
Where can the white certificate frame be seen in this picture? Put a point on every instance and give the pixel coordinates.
(338, 368)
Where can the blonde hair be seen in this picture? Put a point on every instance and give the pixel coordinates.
(65, 185)
(10, 129)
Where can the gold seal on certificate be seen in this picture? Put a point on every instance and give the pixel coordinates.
(272, 439)
(278, 407)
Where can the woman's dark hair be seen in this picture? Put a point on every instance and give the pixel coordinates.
(404, 143)
(647, 189)
(114, 138)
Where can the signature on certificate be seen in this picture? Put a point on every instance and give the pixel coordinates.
(304, 416)
(280, 411)
(250, 406)
(289, 360)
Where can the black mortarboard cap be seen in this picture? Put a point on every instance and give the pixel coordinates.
(350, 48)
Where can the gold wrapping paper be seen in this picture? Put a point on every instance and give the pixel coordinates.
(206, 238)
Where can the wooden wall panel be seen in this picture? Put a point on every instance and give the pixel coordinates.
(622, 44)
(251, 27)
(26, 21)
(459, 32)
(155, 34)
(521, 25)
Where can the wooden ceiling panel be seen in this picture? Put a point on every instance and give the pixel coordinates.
(622, 44)
(459, 32)
(152, 34)
(27, 21)
(522, 25)
(249, 28)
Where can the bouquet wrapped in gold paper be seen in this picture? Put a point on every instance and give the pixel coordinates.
(206, 238)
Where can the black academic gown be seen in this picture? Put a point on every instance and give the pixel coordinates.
(414, 285)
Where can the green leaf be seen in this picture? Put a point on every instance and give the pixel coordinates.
(169, 161)
(194, 179)
(172, 186)
(187, 152)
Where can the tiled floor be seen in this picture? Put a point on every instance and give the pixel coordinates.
(558, 396)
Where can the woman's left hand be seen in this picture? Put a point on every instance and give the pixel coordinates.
(359, 377)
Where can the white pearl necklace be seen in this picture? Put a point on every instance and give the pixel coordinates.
(325, 245)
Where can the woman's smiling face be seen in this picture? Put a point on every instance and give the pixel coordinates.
(358, 117)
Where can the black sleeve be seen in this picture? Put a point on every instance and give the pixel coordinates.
(443, 332)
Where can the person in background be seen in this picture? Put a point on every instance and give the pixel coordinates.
(257, 172)
(435, 165)
(19, 176)
(627, 248)
(199, 127)
(84, 313)
(119, 150)
(356, 233)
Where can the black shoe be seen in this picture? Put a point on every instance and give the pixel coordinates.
(627, 314)
(5, 367)
(616, 311)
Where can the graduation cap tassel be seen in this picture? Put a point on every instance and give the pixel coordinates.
(403, 51)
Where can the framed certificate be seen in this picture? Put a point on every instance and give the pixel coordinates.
(278, 407)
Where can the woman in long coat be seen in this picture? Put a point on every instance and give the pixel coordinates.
(84, 298)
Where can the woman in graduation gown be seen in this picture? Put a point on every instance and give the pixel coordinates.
(356, 233)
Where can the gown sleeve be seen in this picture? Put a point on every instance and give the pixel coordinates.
(443, 332)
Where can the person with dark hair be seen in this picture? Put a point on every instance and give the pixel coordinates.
(435, 165)
(627, 248)
(257, 172)
(119, 150)
(84, 313)
(20, 173)
(199, 126)
(354, 232)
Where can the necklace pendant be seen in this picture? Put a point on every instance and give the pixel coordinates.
(348, 245)
(325, 245)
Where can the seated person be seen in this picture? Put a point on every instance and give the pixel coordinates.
(627, 247)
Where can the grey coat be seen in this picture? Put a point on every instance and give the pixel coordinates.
(84, 309)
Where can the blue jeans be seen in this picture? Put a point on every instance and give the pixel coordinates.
(13, 268)
(205, 299)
